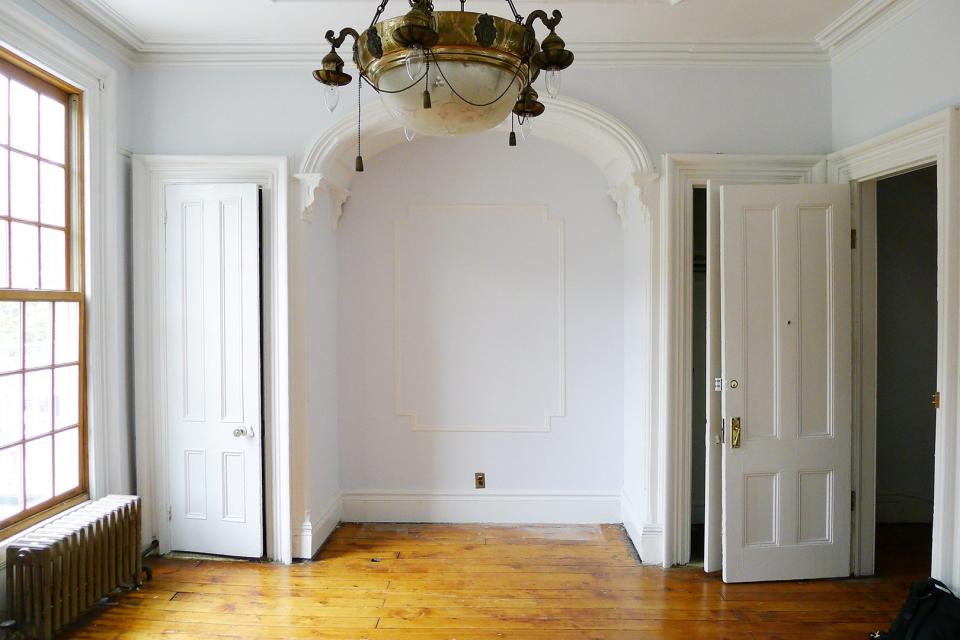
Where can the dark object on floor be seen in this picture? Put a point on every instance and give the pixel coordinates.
(931, 612)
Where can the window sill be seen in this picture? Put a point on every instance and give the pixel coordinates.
(37, 520)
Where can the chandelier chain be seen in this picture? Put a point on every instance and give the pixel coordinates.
(379, 90)
(380, 9)
(457, 93)
(359, 86)
(516, 15)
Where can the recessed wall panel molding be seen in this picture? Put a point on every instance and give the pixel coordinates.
(232, 316)
(194, 365)
(232, 482)
(195, 484)
(479, 318)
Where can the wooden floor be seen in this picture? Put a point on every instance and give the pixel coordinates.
(447, 582)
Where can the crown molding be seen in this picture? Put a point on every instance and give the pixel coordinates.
(92, 29)
(862, 23)
(109, 19)
(102, 24)
(592, 54)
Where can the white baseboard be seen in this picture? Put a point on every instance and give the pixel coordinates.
(314, 531)
(647, 538)
(481, 506)
(903, 507)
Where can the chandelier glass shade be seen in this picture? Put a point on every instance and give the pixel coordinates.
(447, 73)
(490, 76)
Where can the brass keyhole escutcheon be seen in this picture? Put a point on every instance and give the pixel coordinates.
(734, 384)
(735, 433)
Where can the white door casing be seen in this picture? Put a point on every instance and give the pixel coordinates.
(786, 351)
(213, 369)
(712, 541)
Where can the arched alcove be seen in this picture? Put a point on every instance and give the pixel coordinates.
(328, 168)
(631, 181)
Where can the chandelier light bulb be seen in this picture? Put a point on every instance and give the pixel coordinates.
(331, 96)
(526, 129)
(553, 82)
(409, 134)
(414, 61)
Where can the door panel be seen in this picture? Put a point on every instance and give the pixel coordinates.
(786, 348)
(213, 369)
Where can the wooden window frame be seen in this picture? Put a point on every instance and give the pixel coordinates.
(22, 71)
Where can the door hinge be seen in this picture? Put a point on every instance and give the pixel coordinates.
(853, 501)
(936, 400)
(853, 238)
(169, 512)
(718, 384)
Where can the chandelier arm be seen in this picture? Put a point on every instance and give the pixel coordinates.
(474, 104)
(548, 22)
(336, 41)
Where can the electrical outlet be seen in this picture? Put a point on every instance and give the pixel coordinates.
(480, 480)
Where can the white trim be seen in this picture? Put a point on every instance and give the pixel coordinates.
(150, 175)
(862, 23)
(328, 166)
(681, 174)
(932, 139)
(647, 538)
(481, 506)
(110, 20)
(91, 29)
(102, 24)
(313, 532)
(107, 419)
(589, 54)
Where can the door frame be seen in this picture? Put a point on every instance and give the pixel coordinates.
(934, 139)
(151, 174)
(683, 172)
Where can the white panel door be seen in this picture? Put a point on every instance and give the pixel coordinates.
(786, 351)
(213, 369)
(712, 542)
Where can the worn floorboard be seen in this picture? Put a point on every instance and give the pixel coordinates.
(470, 582)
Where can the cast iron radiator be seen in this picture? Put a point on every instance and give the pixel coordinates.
(58, 571)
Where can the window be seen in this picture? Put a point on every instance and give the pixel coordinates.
(42, 376)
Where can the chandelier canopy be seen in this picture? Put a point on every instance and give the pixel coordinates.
(447, 73)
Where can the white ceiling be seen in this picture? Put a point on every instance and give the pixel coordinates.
(605, 31)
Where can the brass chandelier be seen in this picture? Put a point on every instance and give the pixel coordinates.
(447, 73)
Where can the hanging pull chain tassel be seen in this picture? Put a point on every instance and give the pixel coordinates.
(359, 166)
(426, 88)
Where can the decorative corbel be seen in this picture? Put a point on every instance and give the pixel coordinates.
(633, 196)
(316, 187)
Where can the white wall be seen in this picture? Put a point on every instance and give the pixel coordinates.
(672, 109)
(906, 345)
(507, 295)
(905, 73)
(280, 111)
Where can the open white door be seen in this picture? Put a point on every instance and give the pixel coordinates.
(213, 400)
(786, 351)
(712, 540)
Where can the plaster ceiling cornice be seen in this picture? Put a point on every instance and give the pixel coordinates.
(862, 23)
(99, 22)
